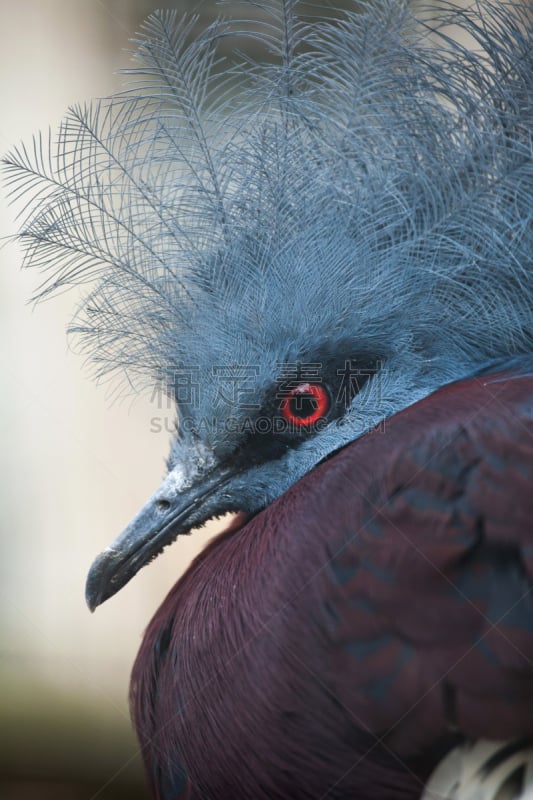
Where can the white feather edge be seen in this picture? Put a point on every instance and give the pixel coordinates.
(462, 774)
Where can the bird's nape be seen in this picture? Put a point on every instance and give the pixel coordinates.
(325, 260)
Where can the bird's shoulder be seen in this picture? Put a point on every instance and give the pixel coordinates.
(427, 589)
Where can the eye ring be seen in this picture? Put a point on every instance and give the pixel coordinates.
(305, 404)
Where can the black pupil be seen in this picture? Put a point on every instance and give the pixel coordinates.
(303, 405)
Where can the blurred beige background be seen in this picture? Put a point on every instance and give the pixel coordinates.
(76, 464)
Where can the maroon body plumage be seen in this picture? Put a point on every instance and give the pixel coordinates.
(377, 612)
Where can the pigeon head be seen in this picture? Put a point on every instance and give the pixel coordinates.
(292, 250)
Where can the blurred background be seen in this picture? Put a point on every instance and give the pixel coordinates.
(76, 464)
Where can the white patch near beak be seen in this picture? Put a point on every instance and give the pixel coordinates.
(198, 459)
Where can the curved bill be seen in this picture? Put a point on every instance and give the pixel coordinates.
(165, 516)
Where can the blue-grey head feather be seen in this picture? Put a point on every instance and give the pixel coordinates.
(368, 195)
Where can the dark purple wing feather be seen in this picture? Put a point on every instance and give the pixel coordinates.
(340, 642)
(433, 589)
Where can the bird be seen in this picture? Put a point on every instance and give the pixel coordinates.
(323, 255)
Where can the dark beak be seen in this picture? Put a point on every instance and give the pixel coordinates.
(165, 516)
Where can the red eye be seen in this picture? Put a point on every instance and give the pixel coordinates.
(305, 404)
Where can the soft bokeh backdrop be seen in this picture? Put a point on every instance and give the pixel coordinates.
(76, 463)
